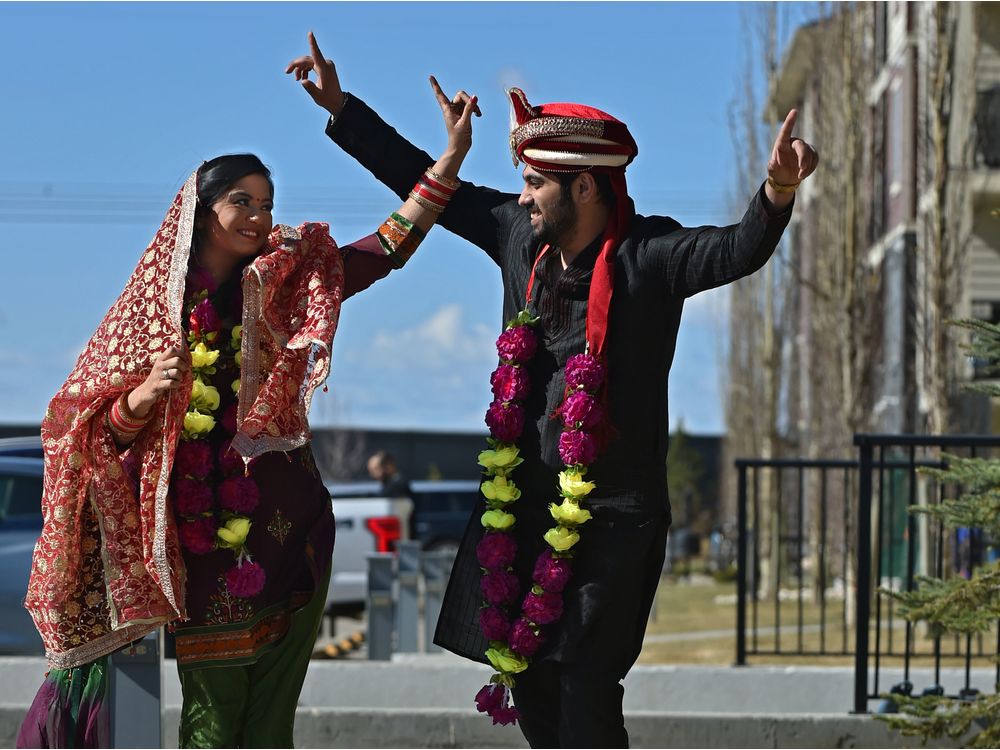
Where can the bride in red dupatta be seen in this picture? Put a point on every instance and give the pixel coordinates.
(110, 566)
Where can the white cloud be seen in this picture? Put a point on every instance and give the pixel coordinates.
(440, 343)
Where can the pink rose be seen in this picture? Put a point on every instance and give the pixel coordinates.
(198, 536)
(192, 497)
(245, 580)
(193, 459)
(583, 409)
(499, 587)
(494, 701)
(496, 550)
(517, 344)
(542, 608)
(204, 319)
(584, 370)
(552, 573)
(576, 447)
(239, 494)
(505, 420)
(510, 383)
(494, 624)
(524, 639)
(230, 462)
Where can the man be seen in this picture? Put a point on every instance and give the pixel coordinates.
(608, 281)
(382, 468)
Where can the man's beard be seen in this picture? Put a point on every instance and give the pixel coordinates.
(561, 221)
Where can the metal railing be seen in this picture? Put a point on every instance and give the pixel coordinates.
(818, 539)
(895, 546)
(793, 551)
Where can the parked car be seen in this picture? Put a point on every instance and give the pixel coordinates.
(441, 511)
(367, 522)
(20, 526)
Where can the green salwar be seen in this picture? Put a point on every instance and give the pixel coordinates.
(252, 705)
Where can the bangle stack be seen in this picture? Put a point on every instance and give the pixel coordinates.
(124, 424)
(399, 238)
(433, 191)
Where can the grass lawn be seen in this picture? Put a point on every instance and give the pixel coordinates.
(694, 622)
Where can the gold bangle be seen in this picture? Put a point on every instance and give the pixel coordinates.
(779, 188)
(434, 208)
(453, 184)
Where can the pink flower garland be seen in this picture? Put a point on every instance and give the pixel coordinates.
(212, 520)
(514, 640)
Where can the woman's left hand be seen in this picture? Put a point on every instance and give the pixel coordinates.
(457, 113)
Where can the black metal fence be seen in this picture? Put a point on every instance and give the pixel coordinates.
(895, 546)
(817, 540)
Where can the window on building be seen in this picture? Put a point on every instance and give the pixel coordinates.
(988, 310)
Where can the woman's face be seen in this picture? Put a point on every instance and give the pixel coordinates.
(240, 220)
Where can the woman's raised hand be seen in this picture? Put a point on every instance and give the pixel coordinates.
(457, 113)
(326, 91)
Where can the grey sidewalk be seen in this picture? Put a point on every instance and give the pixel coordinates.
(426, 701)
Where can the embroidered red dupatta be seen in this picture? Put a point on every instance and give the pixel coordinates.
(108, 568)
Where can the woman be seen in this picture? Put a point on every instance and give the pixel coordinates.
(179, 485)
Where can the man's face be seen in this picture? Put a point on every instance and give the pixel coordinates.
(552, 211)
(375, 469)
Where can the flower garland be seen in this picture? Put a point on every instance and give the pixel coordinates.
(208, 525)
(513, 643)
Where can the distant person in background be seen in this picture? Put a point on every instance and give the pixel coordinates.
(382, 468)
(180, 485)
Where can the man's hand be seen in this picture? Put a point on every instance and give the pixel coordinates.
(792, 159)
(326, 91)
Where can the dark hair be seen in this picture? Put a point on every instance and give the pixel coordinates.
(603, 182)
(218, 175)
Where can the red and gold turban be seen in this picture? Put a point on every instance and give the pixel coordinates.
(567, 137)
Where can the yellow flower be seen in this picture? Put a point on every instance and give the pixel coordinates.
(236, 385)
(202, 356)
(234, 533)
(239, 359)
(497, 519)
(237, 336)
(506, 661)
(561, 538)
(501, 460)
(204, 396)
(569, 513)
(501, 490)
(196, 423)
(572, 485)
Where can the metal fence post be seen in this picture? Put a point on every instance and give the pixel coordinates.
(741, 566)
(864, 551)
(136, 690)
(380, 605)
(407, 610)
(436, 570)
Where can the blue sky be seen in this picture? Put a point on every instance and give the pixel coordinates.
(108, 107)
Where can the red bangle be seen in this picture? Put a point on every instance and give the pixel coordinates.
(453, 184)
(438, 186)
(122, 418)
(427, 194)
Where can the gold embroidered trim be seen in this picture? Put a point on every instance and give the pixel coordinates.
(101, 646)
(549, 127)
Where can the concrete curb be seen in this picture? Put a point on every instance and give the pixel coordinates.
(429, 728)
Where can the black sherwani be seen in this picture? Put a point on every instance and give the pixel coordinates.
(657, 266)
